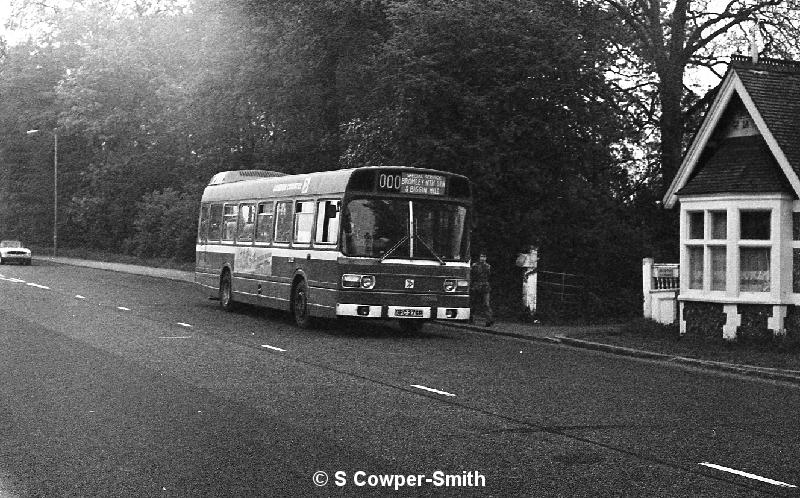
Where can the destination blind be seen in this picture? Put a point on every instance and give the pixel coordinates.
(413, 183)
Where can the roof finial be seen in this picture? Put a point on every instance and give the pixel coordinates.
(754, 41)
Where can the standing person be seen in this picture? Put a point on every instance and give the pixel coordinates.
(481, 290)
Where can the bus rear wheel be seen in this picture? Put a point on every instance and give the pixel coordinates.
(411, 326)
(226, 291)
(300, 305)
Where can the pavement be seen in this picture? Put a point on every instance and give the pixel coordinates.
(525, 331)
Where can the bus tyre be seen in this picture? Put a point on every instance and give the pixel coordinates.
(411, 326)
(300, 305)
(226, 291)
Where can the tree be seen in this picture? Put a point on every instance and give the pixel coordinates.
(667, 39)
(512, 94)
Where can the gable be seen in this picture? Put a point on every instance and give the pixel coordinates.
(740, 164)
(769, 94)
(776, 95)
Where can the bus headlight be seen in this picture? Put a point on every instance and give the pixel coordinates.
(353, 281)
(368, 281)
(456, 285)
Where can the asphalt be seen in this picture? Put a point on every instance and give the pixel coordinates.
(525, 331)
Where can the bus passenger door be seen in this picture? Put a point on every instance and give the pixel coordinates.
(201, 256)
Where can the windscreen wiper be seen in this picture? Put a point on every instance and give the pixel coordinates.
(394, 247)
(429, 248)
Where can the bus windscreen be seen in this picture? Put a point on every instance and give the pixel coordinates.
(380, 227)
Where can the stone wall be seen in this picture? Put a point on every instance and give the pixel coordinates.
(704, 319)
(753, 325)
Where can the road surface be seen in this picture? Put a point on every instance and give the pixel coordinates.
(123, 385)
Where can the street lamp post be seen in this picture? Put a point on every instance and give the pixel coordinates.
(55, 188)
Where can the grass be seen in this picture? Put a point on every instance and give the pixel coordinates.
(651, 336)
(112, 257)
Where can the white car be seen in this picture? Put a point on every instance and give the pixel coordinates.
(12, 250)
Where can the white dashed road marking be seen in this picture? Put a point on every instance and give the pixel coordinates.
(175, 337)
(184, 325)
(748, 475)
(78, 296)
(430, 389)
(273, 348)
(123, 308)
(38, 286)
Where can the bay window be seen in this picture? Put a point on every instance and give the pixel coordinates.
(729, 250)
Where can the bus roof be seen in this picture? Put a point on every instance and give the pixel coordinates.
(253, 186)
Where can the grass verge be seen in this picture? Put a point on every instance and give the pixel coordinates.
(651, 336)
(111, 257)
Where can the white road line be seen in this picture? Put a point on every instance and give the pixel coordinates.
(123, 308)
(748, 475)
(430, 389)
(12, 279)
(273, 348)
(184, 325)
(37, 285)
(78, 296)
(175, 337)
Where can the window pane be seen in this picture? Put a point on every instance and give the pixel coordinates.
(795, 226)
(754, 269)
(718, 268)
(283, 222)
(695, 267)
(327, 222)
(229, 218)
(373, 227)
(755, 225)
(264, 223)
(441, 230)
(719, 225)
(246, 222)
(202, 229)
(214, 227)
(303, 221)
(796, 271)
(696, 225)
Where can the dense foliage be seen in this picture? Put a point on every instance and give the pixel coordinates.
(150, 98)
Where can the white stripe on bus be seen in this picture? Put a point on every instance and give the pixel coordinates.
(319, 254)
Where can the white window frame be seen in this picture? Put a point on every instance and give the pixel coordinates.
(780, 245)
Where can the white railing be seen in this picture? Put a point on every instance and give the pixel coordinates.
(660, 286)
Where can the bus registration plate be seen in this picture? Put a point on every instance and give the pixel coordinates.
(407, 312)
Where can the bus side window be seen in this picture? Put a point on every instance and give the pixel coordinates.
(328, 222)
(303, 221)
(283, 222)
(202, 227)
(246, 222)
(264, 222)
(229, 217)
(214, 224)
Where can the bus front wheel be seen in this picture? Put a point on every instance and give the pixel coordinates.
(226, 292)
(300, 305)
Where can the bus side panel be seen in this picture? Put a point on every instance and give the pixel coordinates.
(323, 281)
(216, 258)
(321, 272)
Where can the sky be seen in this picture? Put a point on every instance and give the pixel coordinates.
(5, 13)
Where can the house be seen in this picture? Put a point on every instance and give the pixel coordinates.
(738, 189)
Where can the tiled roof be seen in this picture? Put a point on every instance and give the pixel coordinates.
(774, 86)
(739, 165)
